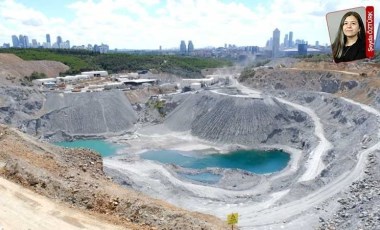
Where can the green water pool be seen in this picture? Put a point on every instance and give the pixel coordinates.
(103, 147)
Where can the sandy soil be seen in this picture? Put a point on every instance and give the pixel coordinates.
(24, 209)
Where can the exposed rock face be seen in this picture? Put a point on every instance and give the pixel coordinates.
(290, 79)
(61, 116)
(18, 104)
(95, 113)
(240, 120)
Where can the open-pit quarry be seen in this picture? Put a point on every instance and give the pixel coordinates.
(326, 116)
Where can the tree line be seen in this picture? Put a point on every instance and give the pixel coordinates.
(83, 60)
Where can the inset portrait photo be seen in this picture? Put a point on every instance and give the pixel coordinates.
(347, 30)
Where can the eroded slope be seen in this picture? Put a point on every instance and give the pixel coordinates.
(239, 120)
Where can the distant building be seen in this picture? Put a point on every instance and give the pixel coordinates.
(190, 47)
(187, 82)
(269, 44)
(34, 43)
(286, 41)
(59, 41)
(182, 47)
(103, 48)
(276, 43)
(15, 41)
(48, 39)
(21, 40)
(302, 49)
(100, 73)
(26, 41)
(290, 39)
(251, 49)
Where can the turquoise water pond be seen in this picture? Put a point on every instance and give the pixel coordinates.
(101, 146)
(259, 162)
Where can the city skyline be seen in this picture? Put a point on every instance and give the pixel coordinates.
(151, 24)
(22, 41)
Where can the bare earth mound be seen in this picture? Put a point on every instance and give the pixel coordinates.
(13, 68)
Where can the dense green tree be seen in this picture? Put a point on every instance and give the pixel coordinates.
(82, 60)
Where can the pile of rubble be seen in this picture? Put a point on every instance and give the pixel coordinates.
(358, 207)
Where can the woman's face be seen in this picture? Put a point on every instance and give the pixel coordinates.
(351, 26)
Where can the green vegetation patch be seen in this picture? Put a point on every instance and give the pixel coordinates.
(82, 60)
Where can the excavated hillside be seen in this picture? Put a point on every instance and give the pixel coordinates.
(239, 120)
(87, 114)
(300, 106)
(19, 104)
(356, 80)
(13, 69)
(76, 178)
(58, 116)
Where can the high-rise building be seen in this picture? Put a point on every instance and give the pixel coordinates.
(276, 43)
(15, 41)
(21, 40)
(190, 47)
(269, 44)
(48, 39)
(286, 41)
(182, 47)
(59, 41)
(34, 43)
(26, 41)
(290, 39)
(377, 41)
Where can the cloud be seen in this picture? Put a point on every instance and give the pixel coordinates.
(11, 11)
(148, 24)
(18, 19)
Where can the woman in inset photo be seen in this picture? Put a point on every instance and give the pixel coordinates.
(349, 43)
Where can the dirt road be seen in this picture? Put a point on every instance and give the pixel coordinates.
(22, 209)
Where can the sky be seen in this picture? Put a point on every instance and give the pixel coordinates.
(149, 24)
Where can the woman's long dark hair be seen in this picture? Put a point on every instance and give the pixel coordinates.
(340, 39)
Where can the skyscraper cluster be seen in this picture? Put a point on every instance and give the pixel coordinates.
(22, 41)
(288, 42)
(186, 50)
(277, 48)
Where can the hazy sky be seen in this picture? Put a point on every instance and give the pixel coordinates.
(147, 24)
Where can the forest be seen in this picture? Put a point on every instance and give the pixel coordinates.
(83, 60)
